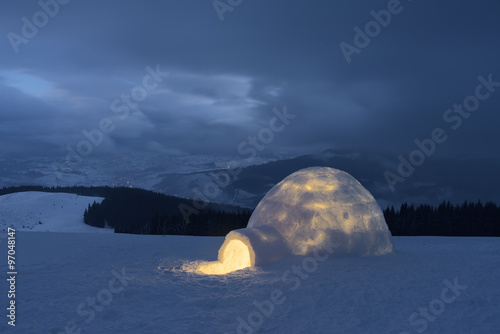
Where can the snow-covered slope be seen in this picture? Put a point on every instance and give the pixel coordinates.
(57, 212)
(114, 283)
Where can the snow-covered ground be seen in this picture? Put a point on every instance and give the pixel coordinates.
(57, 212)
(117, 283)
(68, 280)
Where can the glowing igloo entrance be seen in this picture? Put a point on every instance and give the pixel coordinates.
(234, 256)
(301, 214)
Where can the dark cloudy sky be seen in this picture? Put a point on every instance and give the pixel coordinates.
(227, 76)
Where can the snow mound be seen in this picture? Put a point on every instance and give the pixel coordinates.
(57, 212)
(310, 210)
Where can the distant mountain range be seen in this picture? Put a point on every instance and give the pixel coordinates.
(431, 183)
(210, 178)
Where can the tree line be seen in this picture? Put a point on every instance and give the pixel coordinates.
(149, 214)
(139, 211)
(467, 219)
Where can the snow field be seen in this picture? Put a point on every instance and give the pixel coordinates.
(58, 212)
(64, 278)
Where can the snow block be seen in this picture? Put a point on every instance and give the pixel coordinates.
(264, 243)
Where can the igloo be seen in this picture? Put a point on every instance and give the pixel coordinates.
(300, 215)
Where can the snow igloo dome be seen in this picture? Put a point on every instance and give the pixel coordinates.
(307, 211)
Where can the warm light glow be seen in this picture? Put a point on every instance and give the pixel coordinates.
(236, 256)
(318, 204)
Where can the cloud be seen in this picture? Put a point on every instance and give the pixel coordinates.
(226, 77)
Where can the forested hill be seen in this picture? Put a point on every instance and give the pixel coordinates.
(138, 211)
